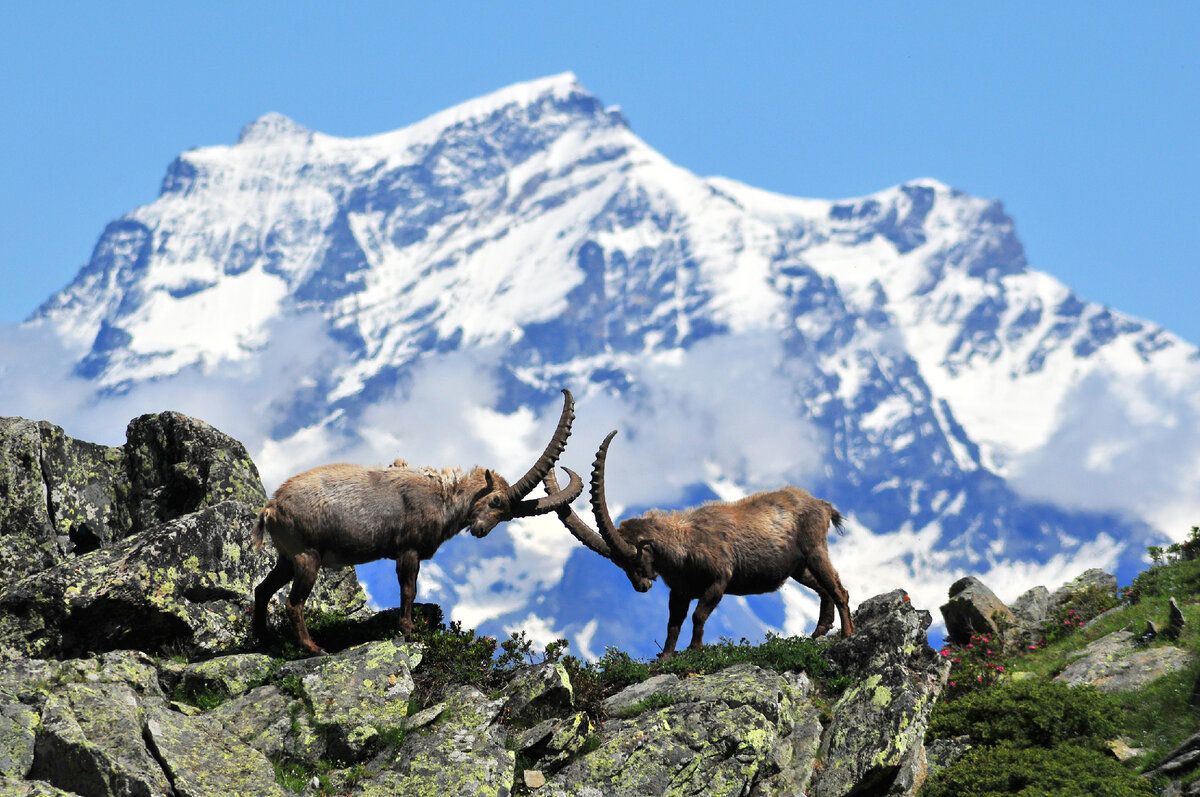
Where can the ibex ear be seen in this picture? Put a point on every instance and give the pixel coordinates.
(489, 485)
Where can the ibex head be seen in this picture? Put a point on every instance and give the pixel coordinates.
(496, 501)
(636, 558)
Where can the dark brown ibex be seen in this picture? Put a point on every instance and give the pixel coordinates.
(742, 547)
(342, 515)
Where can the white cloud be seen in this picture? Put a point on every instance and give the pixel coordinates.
(1123, 444)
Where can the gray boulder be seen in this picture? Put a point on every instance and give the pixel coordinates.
(974, 609)
(743, 730)
(61, 497)
(875, 740)
(183, 585)
(90, 741)
(463, 753)
(202, 759)
(1117, 663)
(1093, 579)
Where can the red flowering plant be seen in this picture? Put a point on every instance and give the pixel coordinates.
(976, 665)
(1073, 615)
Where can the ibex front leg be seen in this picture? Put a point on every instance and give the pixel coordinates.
(678, 603)
(408, 566)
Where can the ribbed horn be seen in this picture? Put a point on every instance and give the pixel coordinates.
(580, 530)
(553, 500)
(624, 552)
(523, 486)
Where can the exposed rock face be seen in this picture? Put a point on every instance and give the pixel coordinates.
(973, 609)
(1116, 663)
(142, 547)
(61, 497)
(129, 553)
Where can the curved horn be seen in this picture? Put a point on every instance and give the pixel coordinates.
(616, 543)
(553, 500)
(574, 524)
(553, 451)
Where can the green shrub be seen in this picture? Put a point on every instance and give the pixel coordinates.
(454, 655)
(1065, 771)
(1084, 606)
(1177, 579)
(1029, 713)
(779, 653)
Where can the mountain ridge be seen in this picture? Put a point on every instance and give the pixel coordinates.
(426, 292)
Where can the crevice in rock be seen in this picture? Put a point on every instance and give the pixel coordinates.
(157, 755)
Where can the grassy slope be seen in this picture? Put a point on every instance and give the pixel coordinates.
(1153, 719)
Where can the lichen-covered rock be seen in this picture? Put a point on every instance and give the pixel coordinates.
(178, 465)
(360, 694)
(18, 734)
(182, 585)
(633, 694)
(201, 759)
(1093, 579)
(973, 609)
(58, 496)
(878, 725)
(740, 731)
(554, 742)
(61, 497)
(225, 676)
(1115, 663)
(275, 724)
(11, 787)
(537, 690)
(90, 741)
(463, 753)
(31, 681)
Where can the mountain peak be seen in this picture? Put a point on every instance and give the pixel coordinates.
(272, 126)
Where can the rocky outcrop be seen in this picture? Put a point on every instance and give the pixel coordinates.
(126, 666)
(1117, 662)
(142, 547)
(974, 609)
(61, 497)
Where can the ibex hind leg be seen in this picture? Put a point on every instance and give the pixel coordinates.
(280, 575)
(307, 565)
(823, 573)
(825, 618)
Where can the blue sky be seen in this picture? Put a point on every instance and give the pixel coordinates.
(1083, 118)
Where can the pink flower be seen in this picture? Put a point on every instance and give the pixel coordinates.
(945, 653)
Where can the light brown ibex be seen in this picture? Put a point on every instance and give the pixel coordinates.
(342, 515)
(741, 547)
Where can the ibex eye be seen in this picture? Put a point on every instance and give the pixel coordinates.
(495, 502)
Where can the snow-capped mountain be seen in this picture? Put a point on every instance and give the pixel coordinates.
(425, 293)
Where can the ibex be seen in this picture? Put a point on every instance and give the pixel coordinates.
(742, 547)
(342, 515)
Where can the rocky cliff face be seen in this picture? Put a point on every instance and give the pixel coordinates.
(126, 665)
